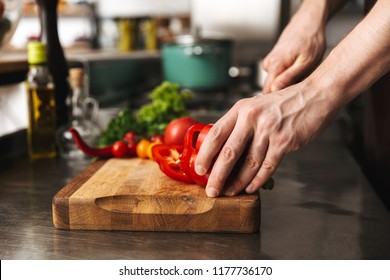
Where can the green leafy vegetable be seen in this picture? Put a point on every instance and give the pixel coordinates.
(118, 126)
(167, 103)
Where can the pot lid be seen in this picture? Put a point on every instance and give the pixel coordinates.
(189, 39)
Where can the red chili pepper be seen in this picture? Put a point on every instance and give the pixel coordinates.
(169, 161)
(88, 150)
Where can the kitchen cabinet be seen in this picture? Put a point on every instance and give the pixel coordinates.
(322, 207)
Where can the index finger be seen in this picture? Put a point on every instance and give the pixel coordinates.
(213, 142)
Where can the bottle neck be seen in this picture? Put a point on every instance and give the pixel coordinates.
(76, 104)
(39, 75)
(38, 66)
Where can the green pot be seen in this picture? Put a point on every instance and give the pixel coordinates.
(198, 64)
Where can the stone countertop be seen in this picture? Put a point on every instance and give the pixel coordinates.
(322, 207)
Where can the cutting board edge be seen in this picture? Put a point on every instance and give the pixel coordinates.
(60, 201)
(253, 227)
(115, 221)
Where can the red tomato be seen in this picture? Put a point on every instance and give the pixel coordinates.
(176, 129)
(132, 148)
(157, 138)
(119, 148)
(130, 136)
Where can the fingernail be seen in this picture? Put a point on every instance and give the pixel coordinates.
(200, 170)
(250, 188)
(277, 86)
(229, 192)
(211, 192)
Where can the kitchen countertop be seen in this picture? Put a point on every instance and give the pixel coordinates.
(17, 60)
(322, 207)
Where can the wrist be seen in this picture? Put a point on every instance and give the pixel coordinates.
(313, 14)
(358, 60)
(325, 90)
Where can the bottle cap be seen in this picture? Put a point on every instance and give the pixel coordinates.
(76, 77)
(36, 53)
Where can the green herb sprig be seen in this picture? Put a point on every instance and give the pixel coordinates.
(167, 103)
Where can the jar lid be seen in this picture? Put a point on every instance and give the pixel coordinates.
(36, 53)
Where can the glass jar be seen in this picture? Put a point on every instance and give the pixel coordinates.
(83, 112)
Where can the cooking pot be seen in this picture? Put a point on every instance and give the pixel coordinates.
(197, 63)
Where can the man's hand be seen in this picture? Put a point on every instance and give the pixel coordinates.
(262, 129)
(299, 48)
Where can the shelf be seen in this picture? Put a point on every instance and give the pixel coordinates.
(64, 10)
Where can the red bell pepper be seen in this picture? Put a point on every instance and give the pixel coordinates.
(192, 142)
(169, 161)
(201, 136)
(178, 162)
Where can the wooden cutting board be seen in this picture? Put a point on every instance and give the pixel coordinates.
(133, 194)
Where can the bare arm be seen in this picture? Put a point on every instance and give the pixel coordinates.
(360, 59)
(275, 124)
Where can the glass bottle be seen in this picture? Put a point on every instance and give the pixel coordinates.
(48, 14)
(82, 116)
(41, 104)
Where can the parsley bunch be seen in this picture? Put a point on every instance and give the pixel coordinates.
(168, 102)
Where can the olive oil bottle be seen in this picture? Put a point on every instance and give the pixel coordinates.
(41, 104)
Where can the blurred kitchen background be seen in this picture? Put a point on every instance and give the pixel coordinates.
(119, 42)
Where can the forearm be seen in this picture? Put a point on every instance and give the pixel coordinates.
(361, 58)
(316, 13)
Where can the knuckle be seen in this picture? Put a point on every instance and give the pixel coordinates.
(273, 59)
(267, 122)
(241, 103)
(216, 132)
(283, 140)
(228, 153)
(251, 162)
(286, 79)
(251, 114)
(268, 165)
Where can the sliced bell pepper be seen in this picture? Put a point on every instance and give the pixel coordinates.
(192, 142)
(169, 160)
(190, 139)
(178, 162)
(201, 136)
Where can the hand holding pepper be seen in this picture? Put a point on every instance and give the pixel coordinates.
(178, 162)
